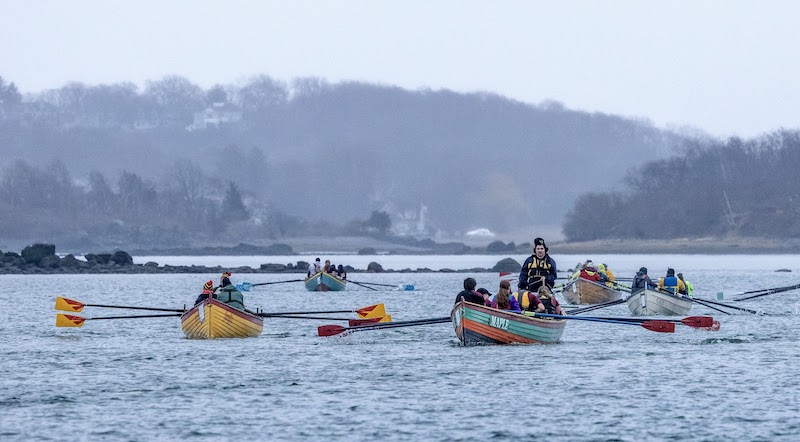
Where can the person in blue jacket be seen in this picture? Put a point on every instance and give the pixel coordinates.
(539, 269)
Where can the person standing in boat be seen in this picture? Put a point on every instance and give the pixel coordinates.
(641, 281)
(470, 295)
(208, 291)
(314, 268)
(539, 269)
(687, 284)
(671, 283)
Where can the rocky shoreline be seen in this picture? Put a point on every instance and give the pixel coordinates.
(41, 259)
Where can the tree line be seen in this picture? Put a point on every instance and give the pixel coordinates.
(715, 187)
(439, 163)
(181, 209)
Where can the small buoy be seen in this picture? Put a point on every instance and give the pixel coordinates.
(407, 287)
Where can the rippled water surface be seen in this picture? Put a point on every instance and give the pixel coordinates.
(140, 379)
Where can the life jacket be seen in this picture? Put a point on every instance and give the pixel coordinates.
(671, 284)
(538, 268)
(523, 298)
(590, 274)
(550, 309)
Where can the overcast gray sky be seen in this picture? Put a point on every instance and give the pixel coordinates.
(726, 67)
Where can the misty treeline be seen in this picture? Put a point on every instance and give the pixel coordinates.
(128, 211)
(715, 188)
(438, 162)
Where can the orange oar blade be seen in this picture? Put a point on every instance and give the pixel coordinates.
(698, 321)
(330, 330)
(372, 311)
(69, 305)
(63, 320)
(659, 326)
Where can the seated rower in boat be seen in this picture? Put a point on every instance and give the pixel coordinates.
(503, 299)
(208, 291)
(229, 294)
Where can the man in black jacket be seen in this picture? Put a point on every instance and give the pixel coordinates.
(470, 295)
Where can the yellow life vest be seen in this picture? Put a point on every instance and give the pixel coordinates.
(523, 299)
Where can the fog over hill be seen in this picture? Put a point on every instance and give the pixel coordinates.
(438, 162)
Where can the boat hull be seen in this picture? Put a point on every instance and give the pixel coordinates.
(583, 291)
(655, 303)
(477, 324)
(324, 282)
(212, 319)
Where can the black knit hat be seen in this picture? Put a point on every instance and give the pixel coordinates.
(643, 270)
(540, 242)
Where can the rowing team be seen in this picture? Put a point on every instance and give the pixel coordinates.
(315, 268)
(541, 301)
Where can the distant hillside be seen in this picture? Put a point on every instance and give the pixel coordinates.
(436, 161)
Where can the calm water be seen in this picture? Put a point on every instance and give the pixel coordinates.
(141, 380)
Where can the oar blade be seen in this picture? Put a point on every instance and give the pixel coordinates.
(714, 326)
(406, 287)
(698, 321)
(330, 330)
(63, 320)
(69, 305)
(659, 326)
(372, 311)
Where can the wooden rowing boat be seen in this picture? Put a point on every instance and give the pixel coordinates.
(583, 291)
(213, 319)
(324, 282)
(477, 324)
(656, 303)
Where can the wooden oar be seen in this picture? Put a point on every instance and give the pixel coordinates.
(63, 320)
(71, 305)
(331, 330)
(691, 321)
(652, 325)
(597, 306)
(365, 286)
(769, 292)
(406, 287)
(697, 301)
(369, 311)
(276, 282)
(706, 301)
(352, 322)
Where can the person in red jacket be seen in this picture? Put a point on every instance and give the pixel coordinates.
(590, 272)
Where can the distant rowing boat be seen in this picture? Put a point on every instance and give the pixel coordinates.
(583, 291)
(657, 303)
(324, 282)
(477, 324)
(213, 319)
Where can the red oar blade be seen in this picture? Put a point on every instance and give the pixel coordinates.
(714, 326)
(330, 330)
(698, 321)
(69, 305)
(357, 322)
(659, 326)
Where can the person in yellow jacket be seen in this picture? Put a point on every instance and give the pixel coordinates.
(605, 271)
(687, 284)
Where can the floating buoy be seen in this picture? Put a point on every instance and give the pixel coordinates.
(406, 287)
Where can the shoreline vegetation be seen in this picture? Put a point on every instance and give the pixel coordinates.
(42, 259)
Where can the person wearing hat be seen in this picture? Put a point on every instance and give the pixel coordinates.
(641, 281)
(208, 290)
(671, 283)
(225, 279)
(314, 268)
(539, 269)
(589, 272)
(607, 273)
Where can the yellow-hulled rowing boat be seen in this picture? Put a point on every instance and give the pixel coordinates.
(212, 319)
